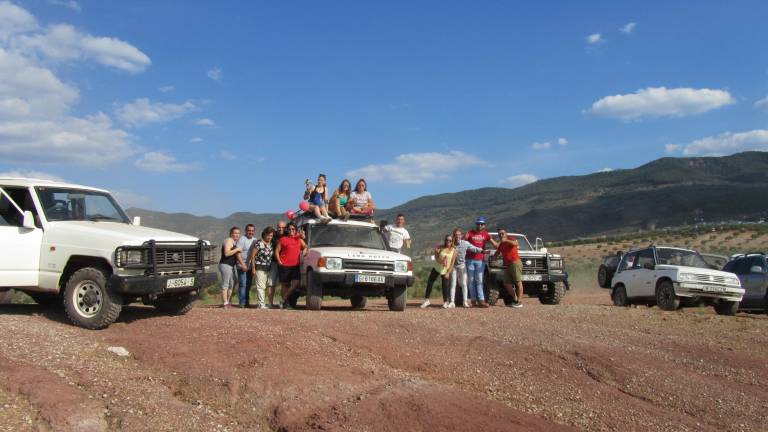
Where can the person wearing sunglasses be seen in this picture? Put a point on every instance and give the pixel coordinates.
(288, 254)
(478, 237)
(445, 258)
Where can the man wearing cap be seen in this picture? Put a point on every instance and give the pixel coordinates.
(478, 237)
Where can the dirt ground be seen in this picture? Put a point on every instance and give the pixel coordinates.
(583, 365)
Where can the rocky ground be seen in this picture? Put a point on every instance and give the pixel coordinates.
(584, 365)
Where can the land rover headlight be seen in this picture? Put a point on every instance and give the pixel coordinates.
(556, 264)
(732, 280)
(403, 266)
(333, 263)
(684, 277)
(207, 254)
(130, 257)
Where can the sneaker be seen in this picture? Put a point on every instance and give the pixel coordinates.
(483, 304)
(287, 306)
(263, 306)
(466, 304)
(425, 304)
(451, 305)
(517, 305)
(228, 306)
(446, 305)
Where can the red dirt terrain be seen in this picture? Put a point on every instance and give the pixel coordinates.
(583, 365)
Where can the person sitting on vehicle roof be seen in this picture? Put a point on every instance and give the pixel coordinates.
(360, 200)
(338, 204)
(318, 198)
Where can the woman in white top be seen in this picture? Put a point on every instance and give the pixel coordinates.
(360, 200)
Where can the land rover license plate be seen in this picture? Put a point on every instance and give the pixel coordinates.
(370, 279)
(180, 282)
(531, 278)
(713, 288)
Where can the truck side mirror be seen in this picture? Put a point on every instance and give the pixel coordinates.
(137, 220)
(756, 269)
(29, 220)
(539, 244)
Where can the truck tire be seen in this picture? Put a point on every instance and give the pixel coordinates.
(553, 296)
(176, 304)
(619, 296)
(314, 292)
(46, 299)
(6, 296)
(493, 295)
(398, 298)
(358, 302)
(88, 301)
(604, 276)
(726, 307)
(666, 297)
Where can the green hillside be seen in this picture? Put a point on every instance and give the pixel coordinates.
(665, 192)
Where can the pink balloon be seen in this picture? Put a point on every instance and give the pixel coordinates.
(304, 206)
(290, 214)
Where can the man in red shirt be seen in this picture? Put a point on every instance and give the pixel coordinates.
(513, 267)
(476, 262)
(288, 255)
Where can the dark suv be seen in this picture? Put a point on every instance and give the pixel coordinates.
(751, 269)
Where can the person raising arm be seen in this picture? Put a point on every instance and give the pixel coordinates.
(288, 254)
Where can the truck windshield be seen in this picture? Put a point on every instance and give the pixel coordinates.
(681, 257)
(64, 204)
(346, 236)
(522, 242)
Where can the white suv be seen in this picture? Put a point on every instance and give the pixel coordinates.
(350, 259)
(74, 244)
(665, 275)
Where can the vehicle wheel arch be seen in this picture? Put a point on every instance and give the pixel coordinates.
(76, 262)
(663, 279)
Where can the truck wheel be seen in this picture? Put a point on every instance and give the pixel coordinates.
(358, 302)
(493, 295)
(726, 307)
(398, 298)
(553, 296)
(619, 296)
(176, 304)
(666, 297)
(46, 299)
(314, 292)
(6, 296)
(603, 278)
(88, 301)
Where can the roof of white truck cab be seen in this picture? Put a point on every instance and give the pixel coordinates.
(33, 182)
(364, 223)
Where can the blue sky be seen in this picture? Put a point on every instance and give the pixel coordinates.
(216, 107)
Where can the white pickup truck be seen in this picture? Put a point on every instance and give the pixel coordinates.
(72, 244)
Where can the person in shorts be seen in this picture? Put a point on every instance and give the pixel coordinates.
(288, 254)
(260, 256)
(513, 267)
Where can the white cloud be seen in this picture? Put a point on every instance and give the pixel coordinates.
(518, 180)
(31, 174)
(166, 89)
(417, 168)
(128, 199)
(628, 28)
(562, 141)
(15, 20)
(725, 143)
(63, 42)
(205, 122)
(594, 38)
(541, 145)
(661, 102)
(71, 4)
(227, 155)
(143, 111)
(162, 162)
(762, 104)
(215, 74)
(195, 140)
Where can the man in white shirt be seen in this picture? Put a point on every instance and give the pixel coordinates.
(397, 235)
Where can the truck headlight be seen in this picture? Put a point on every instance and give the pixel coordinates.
(403, 266)
(131, 257)
(333, 263)
(556, 264)
(732, 280)
(207, 254)
(682, 277)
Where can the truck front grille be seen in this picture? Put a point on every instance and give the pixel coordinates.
(710, 279)
(536, 266)
(368, 265)
(174, 257)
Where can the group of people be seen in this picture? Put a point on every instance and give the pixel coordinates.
(344, 201)
(274, 258)
(460, 260)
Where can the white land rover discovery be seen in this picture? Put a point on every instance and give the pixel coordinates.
(667, 275)
(350, 259)
(71, 244)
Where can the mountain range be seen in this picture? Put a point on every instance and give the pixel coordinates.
(665, 192)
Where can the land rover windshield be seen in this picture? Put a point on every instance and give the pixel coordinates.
(346, 236)
(65, 204)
